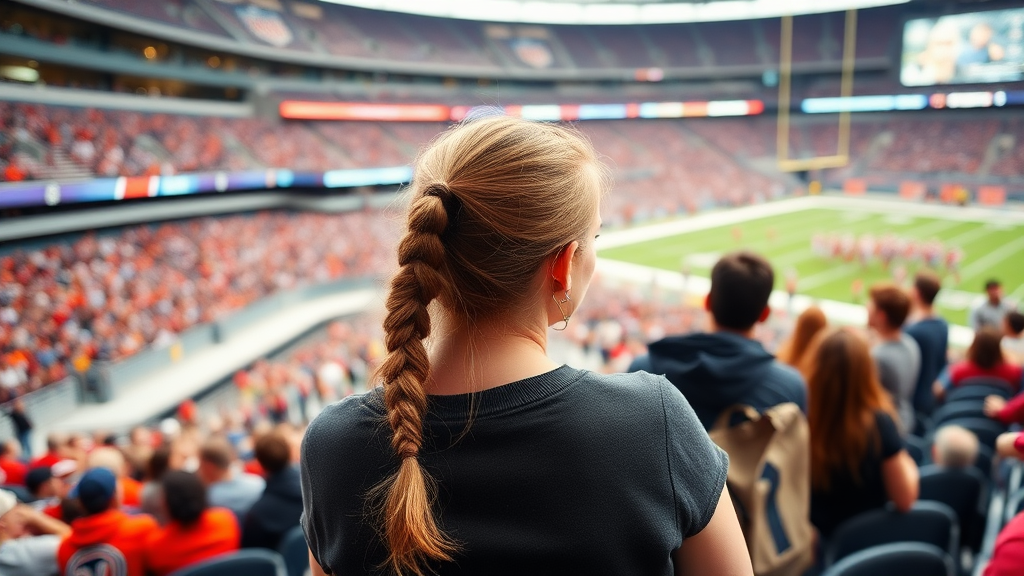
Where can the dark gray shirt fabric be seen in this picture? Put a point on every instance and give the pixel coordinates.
(899, 363)
(568, 472)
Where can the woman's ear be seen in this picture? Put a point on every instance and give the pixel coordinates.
(561, 267)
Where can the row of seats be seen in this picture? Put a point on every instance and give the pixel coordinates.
(349, 31)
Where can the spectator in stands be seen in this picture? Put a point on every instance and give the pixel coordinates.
(507, 257)
(56, 450)
(727, 366)
(112, 459)
(139, 450)
(896, 355)
(984, 360)
(195, 532)
(151, 494)
(1013, 336)
(42, 485)
(931, 333)
(990, 311)
(1008, 552)
(808, 324)
(12, 470)
(28, 539)
(858, 462)
(954, 447)
(22, 426)
(105, 523)
(279, 508)
(226, 484)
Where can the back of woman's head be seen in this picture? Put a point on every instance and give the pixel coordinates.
(808, 324)
(986, 350)
(843, 394)
(184, 495)
(491, 201)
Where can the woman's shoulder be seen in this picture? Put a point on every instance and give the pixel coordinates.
(635, 385)
(344, 419)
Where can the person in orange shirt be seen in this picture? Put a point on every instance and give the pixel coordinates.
(195, 532)
(105, 523)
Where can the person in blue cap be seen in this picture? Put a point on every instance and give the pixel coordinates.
(107, 534)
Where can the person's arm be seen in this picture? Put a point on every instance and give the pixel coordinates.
(1007, 412)
(717, 549)
(902, 480)
(314, 567)
(40, 523)
(1008, 445)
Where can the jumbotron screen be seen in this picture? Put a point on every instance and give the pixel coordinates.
(964, 48)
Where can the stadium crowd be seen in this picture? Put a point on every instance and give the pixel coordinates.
(107, 296)
(221, 475)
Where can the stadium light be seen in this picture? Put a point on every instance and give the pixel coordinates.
(542, 12)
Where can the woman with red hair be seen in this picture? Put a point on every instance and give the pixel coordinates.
(857, 458)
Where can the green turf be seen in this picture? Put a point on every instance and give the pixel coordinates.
(989, 251)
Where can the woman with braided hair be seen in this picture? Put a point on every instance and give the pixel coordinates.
(477, 454)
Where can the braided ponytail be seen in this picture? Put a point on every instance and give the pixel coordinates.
(412, 534)
(524, 191)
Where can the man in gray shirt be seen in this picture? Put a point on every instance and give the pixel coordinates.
(990, 312)
(897, 355)
(226, 485)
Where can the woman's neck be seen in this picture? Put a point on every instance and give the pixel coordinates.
(470, 359)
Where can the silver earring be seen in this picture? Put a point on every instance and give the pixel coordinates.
(565, 317)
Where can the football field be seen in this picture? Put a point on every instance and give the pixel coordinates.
(991, 241)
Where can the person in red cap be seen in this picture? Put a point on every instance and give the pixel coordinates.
(105, 523)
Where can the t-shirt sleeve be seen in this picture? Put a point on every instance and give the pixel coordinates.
(890, 435)
(697, 467)
(311, 519)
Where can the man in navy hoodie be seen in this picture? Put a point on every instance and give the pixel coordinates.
(727, 366)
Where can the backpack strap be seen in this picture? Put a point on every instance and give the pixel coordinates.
(723, 420)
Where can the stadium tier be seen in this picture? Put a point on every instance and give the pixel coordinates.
(297, 28)
(269, 267)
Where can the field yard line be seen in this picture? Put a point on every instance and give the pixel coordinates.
(841, 312)
(932, 228)
(825, 277)
(969, 236)
(993, 257)
(624, 237)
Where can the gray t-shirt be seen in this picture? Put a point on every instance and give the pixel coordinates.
(985, 314)
(237, 494)
(568, 472)
(899, 363)
(29, 556)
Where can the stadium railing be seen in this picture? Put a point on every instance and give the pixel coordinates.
(106, 380)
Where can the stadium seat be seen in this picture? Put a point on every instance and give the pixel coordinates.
(928, 522)
(980, 387)
(969, 408)
(295, 552)
(250, 562)
(985, 429)
(918, 448)
(900, 559)
(965, 491)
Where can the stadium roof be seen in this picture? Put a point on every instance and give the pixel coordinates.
(612, 11)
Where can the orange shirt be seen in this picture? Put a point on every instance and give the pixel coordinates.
(126, 533)
(177, 546)
(131, 491)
